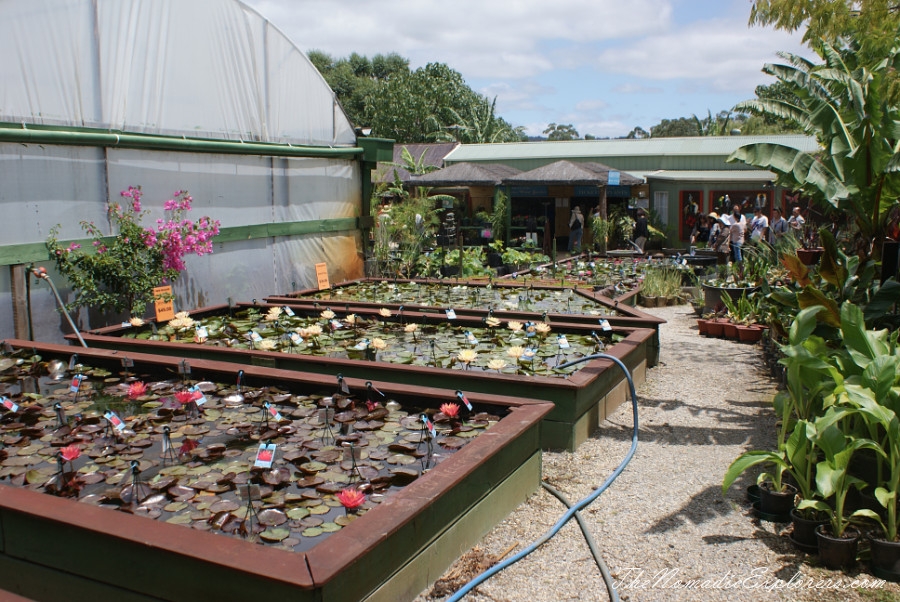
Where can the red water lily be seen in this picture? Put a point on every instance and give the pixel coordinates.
(70, 452)
(351, 498)
(187, 446)
(186, 397)
(450, 410)
(137, 389)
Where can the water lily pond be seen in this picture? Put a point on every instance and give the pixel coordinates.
(499, 346)
(496, 298)
(264, 463)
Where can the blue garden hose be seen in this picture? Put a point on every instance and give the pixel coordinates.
(580, 505)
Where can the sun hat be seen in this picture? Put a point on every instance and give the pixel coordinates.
(713, 215)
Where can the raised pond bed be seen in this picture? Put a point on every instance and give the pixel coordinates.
(521, 300)
(57, 548)
(583, 396)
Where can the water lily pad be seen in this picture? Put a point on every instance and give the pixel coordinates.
(275, 534)
(297, 513)
(330, 527)
(312, 532)
(272, 517)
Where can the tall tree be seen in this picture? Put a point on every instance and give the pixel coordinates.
(478, 123)
(668, 128)
(561, 131)
(873, 23)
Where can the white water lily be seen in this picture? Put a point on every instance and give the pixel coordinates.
(273, 314)
(492, 322)
(515, 351)
(266, 345)
(327, 315)
(136, 322)
(497, 365)
(542, 327)
(379, 344)
(467, 356)
(514, 325)
(384, 312)
(411, 327)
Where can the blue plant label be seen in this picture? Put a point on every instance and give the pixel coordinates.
(9, 404)
(114, 420)
(125, 324)
(429, 425)
(470, 338)
(604, 325)
(563, 341)
(76, 383)
(451, 314)
(462, 397)
(288, 311)
(273, 412)
(255, 337)
(296, 339)
(265, 455)
(684, 262)
(336, 324)
(530, 330)
(199, 397)
(362, 345)
(528, 354)
(202, 333)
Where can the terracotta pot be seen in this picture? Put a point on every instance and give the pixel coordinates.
(714, 328)
(885, 557)
(837, 552)
(749, 334)
(730, 330)
(703, 326)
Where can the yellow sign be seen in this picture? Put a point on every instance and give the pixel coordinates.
(322, 276)
(165, 310)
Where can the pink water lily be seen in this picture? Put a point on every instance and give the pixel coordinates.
(351, 498)
(137, 389)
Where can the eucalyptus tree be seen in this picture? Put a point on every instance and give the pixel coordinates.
(846, 105)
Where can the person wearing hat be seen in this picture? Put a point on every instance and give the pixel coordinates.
(719, 238)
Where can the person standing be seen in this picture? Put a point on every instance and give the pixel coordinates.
(576, 229)
(737, 227)
(700, 233)
(718, 238)
(758, 225)
(796, 223)
(778, 228)
(641, 230)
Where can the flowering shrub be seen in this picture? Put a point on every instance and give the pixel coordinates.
(122, 271)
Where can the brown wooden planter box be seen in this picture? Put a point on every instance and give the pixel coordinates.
(58, 549)
(582, 400)
(618, 312)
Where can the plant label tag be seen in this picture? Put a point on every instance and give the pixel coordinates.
(199, 397)
(429, 425)
(336, 325)
(345, 388)
(76, 383)
(325, 415)
(362, 345)
(202, 333)
(563, 341)
(528, 354)
(684, 262)
(114, 420)
(351, 453)
(125, 324)
(296, 338)
(273, 412)
(255, 337)
(265, 455)
(9, 404)
(165, 445)
(288, 311)
(530, 330)
(451, 314)
(604, 326)
(73, 361)
(470, 338)
(461, 396)
(127, 362)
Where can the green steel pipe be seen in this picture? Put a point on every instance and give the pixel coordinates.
(171, 143)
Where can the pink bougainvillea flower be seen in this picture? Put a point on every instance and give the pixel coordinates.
(351, 498)
(186, 397)
(450, 410)
(137, 389)
(70, 453)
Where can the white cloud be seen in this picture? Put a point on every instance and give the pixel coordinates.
(591, 105)
(725, 54)
(636, 88)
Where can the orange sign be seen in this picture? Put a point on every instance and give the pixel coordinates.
(165, 310)
(322, 276)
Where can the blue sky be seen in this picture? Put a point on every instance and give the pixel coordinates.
(604, 66)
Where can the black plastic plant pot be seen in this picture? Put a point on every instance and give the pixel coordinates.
(837, 552)
(885, 557)
(776, 505)
(804, 533)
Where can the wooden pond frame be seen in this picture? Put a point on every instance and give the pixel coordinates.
(582, 400)
(54, 548)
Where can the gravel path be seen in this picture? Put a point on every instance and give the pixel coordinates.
(664, 520)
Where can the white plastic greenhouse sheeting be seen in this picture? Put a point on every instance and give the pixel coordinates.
(201, 68)
(45, 185)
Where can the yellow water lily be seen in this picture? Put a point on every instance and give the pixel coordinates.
(514, 325)
(467, 356)
(273, 314)
(516, 351)
(136, 322)
(492, 322)
(352, 319)
(379, 344)
(497, 365)
(384, 312)
(266, 345)
(542, 327)
(327, 315)
(411, 327)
